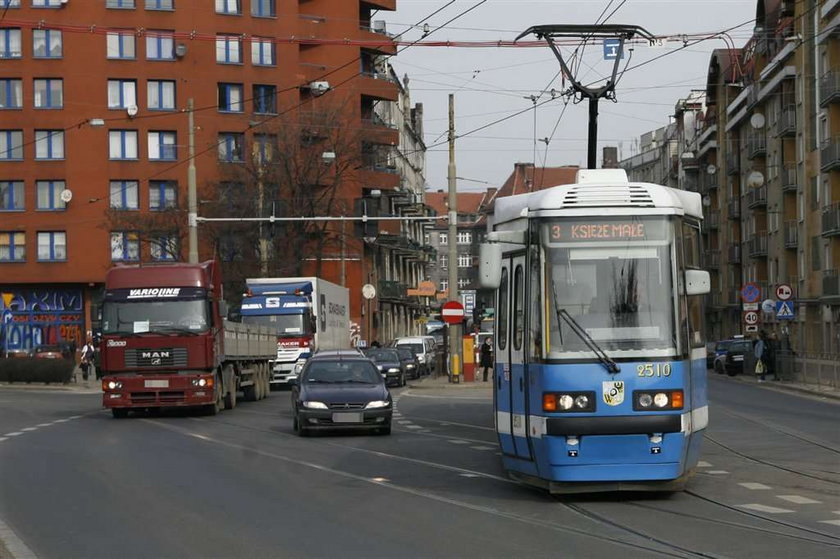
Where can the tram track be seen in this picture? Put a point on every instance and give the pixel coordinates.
(779, 429)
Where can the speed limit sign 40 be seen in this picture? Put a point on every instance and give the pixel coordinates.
(751, 317)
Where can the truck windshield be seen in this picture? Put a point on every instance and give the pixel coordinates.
(285, 325)
(614, 278)
(155, 316)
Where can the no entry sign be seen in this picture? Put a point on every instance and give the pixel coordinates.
(452, 312)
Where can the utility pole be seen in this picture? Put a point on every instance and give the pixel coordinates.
(454, 329)
(192, 196)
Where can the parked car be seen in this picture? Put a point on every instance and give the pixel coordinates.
(424, 348)
(719, 353)
(50, 351)
(736, 353)
(343, 391)
(388, 361)
(409, 362)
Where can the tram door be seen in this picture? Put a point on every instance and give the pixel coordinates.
(511, 384)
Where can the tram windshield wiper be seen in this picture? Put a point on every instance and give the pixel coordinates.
(606, 360)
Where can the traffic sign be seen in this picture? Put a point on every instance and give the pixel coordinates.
(7, 316)
(768, 305)
(612, 49)
(750, 292)
(751, 328)
(452, 312)
(751, 317)
(784, 292)
(750, 306)
(785, 310)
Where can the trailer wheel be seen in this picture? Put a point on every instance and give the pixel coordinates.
(250, 392)
(267, 381)
(259, 385)
(119, 413)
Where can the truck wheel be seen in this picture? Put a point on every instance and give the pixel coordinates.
(119, 413)
(215, 407)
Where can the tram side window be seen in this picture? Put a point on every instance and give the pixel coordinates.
(518, 308)
(502, 313)
(691, 261)
(535, 299)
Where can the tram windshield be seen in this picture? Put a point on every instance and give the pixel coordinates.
(614, 276)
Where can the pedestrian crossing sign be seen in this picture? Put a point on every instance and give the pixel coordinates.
(784, 310)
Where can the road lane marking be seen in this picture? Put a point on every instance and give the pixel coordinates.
(13, 434)
(717, 472)
(832, 522)
(764, 508)
(755, 486)
(703, 464)
(798, 500)
(483, 447)
(44, 424)
(3, 439)
(453, 441)
(27, 429)
(413, 427)
(468, 475)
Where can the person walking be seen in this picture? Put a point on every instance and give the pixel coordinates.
(486, 358)
(88, 353)
(759, 353)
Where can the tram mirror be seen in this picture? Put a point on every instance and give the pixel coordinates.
(697, 282)
(490, 265)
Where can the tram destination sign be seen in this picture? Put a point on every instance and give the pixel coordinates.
(605, 229)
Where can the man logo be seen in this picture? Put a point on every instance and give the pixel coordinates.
(155, 354)
(613, 392)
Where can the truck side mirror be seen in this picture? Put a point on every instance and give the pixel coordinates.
(490, 265)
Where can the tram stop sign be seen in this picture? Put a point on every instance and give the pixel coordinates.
(452, 312)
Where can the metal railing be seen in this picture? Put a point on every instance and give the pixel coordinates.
(733, 208)
(831, 283)
(733, 163)
(786, 125)
(712, 221)
(713, 259)
(791, 233)
(757, 197)
(831, 220)
(756, 145)
(789, 181)
(815, 369)
(758, 244)
(829, 88)
(734, 253)
(830, 154)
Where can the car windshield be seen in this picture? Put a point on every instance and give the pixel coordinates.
(740, 347)
(346, 371)
(285, 325)
(405, 354)
(723, 346)
(416, 348)
(383, 355)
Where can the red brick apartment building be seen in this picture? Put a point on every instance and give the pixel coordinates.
(93, 122)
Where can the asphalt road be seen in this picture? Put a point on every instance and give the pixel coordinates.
(76, 483)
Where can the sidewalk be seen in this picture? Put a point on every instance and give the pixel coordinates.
(442, 381)
(90, 386)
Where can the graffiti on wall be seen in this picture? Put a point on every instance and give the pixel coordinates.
(34, 316)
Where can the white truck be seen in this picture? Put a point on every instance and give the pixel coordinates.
(307, 314)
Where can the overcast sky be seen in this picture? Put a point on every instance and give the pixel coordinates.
(491, 83)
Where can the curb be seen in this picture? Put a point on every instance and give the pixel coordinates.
(781, 385)
(441, 383)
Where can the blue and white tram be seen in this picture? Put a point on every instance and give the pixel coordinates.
(600, 376)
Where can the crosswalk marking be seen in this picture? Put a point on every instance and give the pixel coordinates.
(753, 485)
(798, 499)
(832, 522)
(764, 508)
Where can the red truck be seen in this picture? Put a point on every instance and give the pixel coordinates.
(165, 342)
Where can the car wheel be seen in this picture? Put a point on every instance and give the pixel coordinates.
(718, 367)
(731, 371)
(299, 428)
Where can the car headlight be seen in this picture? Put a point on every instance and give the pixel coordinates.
(393, 370)
(377, 404)
(298, 366)
(314, 405)
(409, 366)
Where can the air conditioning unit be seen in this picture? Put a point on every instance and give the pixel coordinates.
(131, 110)
(378, 26)
(180, 50)
(319, 88)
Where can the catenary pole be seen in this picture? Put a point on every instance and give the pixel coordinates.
(192, 196)
(454, 329)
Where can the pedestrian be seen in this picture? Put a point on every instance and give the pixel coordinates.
(759, 353)
(770, 347)
(486, 358)
(88, 353)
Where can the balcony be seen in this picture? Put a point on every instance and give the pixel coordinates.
(376, 84)
(733, 209)
(791, 234)
(734, 253)
(392, 290)
(713, 259)
(829, 88)
(757, 197)
(377, 37)
(711, 181)
(377, 131)
(786, 125)
(756, 145)
(831, 220)
(712, 221)
(789, 179)
(733, 163)
(831, 283)
(758, 245)
(830, 154)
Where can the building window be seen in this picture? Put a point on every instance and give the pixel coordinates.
(443, 239)
(11, 94)
(265, 99)
(10, 43)
(120, 44)
(125, 246)
(122, 93)
(160, 4)
(230, 97)
(463, 283)
(49, 144)
(160, 45)
(228, 49)
(464, 237)
(48, 93)
(52, 246)
(163, 146)
(163, 195)
(11, 144)
(122, 144)
(444, 285)
(12, 246)
(122, 4)
(262, 52)
(464, 261)
(444, 262)
(229, 7)
(264, 148)
(46, 43)
(48, 195)
(164, 247)
(125, 195)
(11, 196)
(46, 3)
(262, 8)
(161, 95)
(9, 3)
(230, 146)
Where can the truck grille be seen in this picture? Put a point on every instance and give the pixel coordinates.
(158, 357)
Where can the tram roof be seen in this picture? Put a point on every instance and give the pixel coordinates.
(600, 189)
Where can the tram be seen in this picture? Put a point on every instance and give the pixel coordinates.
(600, 373)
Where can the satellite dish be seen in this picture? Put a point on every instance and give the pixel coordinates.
(755, 179)
(368, 291)
(66, 196)
(711, 169)
(757, 121)
(707, 201)
(131, 110)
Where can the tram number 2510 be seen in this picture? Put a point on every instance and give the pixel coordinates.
(654, 370)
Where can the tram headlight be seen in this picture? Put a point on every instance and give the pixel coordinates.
(581, 402)
(660, 400)
(565, 402)
(649, 400)
(568, 401)
(645, 400)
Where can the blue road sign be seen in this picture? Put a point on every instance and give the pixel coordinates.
(7, 316)
(750, 292)
(612, 49)
(784, 310)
